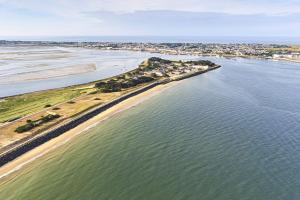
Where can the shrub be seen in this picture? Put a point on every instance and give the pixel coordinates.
(202, 62)
(25, 128)
(49, 118)
(110, 86)
(94, 92)
(142, 79)
(128, 84)
(160, 60)
(100, 84)
(31, 124)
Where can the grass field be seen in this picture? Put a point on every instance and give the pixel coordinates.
(18, 106)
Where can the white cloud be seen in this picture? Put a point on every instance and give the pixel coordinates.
(75, 7)
(77, 17)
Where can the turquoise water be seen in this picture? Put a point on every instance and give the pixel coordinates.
(233, 133)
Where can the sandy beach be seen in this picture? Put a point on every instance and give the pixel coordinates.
(51, 145)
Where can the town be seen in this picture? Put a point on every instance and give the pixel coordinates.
(266, 51)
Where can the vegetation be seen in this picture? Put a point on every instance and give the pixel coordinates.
(127, 80)
(14, 119)
(122, 83)
(160, 60)
(94, 92)
(15, 107)
(202, 62)
(32, 124)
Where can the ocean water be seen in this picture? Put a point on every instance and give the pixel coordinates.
(233, 133)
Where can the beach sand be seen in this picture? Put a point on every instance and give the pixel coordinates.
(51, 145)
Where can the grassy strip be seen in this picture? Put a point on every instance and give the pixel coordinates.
(18, 106)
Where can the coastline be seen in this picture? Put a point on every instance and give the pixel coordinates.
(22, 146)
(75, 125)
(179, 140)
(41, 150)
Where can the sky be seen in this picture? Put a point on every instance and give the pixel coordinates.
(259, 18)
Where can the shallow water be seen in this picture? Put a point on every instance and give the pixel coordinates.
(233, 133)
(26, 69)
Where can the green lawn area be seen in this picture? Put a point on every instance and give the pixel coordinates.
(18, 106)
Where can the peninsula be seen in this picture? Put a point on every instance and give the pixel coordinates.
(30, 120)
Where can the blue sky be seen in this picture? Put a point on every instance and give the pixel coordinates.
(150, 17)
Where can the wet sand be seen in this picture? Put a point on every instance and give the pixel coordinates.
(44, 74)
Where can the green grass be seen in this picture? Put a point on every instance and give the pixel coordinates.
(19, 106)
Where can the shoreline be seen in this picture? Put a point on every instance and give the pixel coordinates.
(23, 148)
(20, 147)
(28, 157)
(196, 55)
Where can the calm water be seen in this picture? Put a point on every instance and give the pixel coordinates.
(26, 69)
(231, 134)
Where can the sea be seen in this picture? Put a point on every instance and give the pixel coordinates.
(162, 39)
(229, 134)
